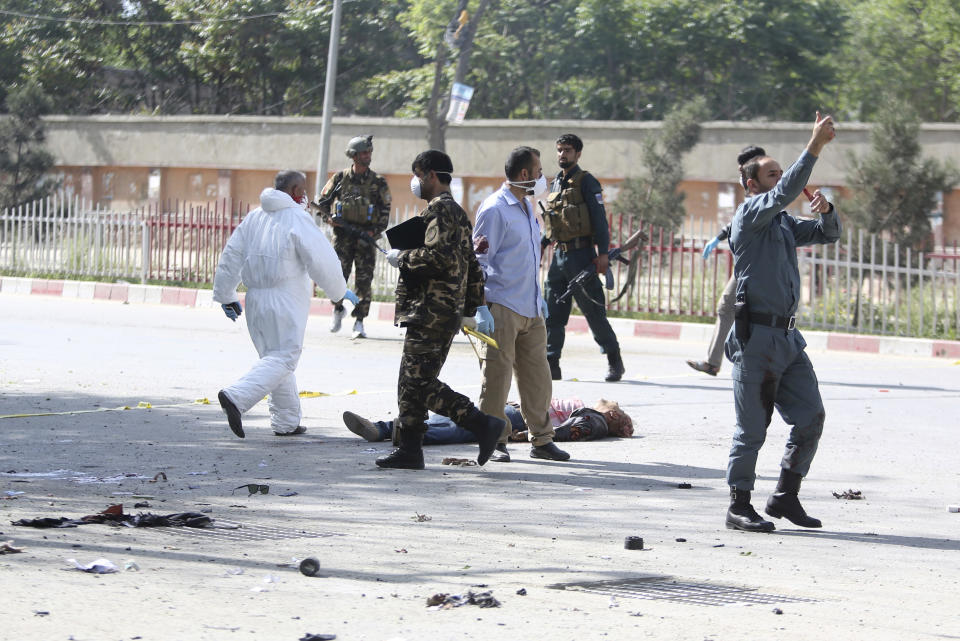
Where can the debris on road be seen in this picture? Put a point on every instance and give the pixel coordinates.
(253, 488)
(309, 566)
(462, 462)
(953, 508)
(684, 486)
(444, 601)
(318, 637)
(420, 518)
(115, 515)
(522, 591)
(633, 543)
(850, 495)
(6, 547)
(100, 566)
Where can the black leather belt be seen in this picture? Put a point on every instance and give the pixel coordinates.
(576, 243)
(771, 320)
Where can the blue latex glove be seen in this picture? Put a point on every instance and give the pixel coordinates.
(484, 320)
(710, 247)
(350, 296)
(544, 310)
(393, 257)
(232, 310)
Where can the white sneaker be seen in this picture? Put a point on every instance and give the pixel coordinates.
(338, 315)
(358, 329)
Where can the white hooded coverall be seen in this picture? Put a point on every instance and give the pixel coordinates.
(275, 251)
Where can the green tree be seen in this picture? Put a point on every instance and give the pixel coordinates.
(760, 59)
(24, 162)
(893, 189)
(654, 196)
(907, 49)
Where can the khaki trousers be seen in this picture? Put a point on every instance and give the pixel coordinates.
(523, 352)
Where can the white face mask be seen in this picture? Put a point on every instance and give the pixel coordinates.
(536, 190)
(415, 186)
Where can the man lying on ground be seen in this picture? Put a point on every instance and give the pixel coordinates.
(571, 420)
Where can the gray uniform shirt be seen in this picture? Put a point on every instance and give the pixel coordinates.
(764, 241)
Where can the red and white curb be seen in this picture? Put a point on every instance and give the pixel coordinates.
(687, 332)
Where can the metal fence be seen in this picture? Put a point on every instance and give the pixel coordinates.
(861, 284)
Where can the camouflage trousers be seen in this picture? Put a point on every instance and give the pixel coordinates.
(350, 250)
(418, 388)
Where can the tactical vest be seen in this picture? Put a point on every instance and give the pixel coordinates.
(356, 200)
(567, 214)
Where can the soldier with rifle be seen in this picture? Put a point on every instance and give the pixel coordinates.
(576, 222)
(356, 201)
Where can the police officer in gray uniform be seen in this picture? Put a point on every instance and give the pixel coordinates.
(770, 368)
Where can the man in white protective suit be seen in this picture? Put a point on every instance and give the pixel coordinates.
(276, 251)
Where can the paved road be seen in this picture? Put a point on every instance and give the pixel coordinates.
(882, 568)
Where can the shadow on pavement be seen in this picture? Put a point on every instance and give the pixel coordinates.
(882, 539)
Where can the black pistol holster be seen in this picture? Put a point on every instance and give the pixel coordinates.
(741, 318)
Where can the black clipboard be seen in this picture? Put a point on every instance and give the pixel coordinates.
(408, 234)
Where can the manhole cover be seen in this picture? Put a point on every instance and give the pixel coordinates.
(667, 588)
(233, 531)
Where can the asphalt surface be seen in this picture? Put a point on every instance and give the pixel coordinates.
(884, 567)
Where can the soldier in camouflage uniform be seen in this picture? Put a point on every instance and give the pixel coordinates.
(440, 283)
(356, 201)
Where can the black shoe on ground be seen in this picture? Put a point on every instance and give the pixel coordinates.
(616, 370)
(300, 429)
(742, 516)
(362, 427)
(409, 456)
(785, 503)
(704, 366)
(500, 454)
(401, 459)
(233, 414)
(487, 429)
(550, 452)
(554, 369)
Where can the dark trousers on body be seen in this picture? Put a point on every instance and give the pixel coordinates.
(590, 299)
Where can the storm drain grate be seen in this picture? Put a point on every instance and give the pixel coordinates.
(665, 588)
(241, 532)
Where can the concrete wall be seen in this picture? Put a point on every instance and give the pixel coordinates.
(113, 159)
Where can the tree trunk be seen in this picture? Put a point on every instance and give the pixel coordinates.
(439, 100)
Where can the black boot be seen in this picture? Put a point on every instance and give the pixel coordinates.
(615, 373)
(554, 368)
(487, 429)
(409, 456)
(742, 516)
(784, 502)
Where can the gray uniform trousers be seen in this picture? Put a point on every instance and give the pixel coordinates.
(772, 370)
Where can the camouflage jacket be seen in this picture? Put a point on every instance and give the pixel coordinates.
(370, 182)
(442, 281)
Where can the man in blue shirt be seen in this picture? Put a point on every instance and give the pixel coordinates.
(770, 368)
(506, 240)
(575, 221)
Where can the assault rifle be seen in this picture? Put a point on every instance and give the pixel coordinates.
(338, 221)
(615, 254)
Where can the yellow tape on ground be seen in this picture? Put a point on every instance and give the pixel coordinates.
(144, 405)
